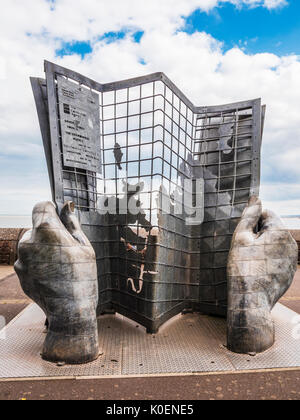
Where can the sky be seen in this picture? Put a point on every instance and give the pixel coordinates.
(216, 52)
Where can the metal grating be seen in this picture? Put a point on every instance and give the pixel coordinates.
(152, 265)
(186, 344)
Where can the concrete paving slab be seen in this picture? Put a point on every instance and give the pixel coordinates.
(5, 271)
(12, 298)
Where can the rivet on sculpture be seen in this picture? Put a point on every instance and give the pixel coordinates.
(261, 267)
(57, 270)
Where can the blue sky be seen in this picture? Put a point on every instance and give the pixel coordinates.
(82, 48)
(256, 29)
(215, 51)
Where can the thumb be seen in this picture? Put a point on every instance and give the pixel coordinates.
(270, 221)
(250, 218)
(278, 233)
(72, 224)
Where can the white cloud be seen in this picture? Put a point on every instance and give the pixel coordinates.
(273, 4)
(269, 4)
(3, 73)
(281, 207)
(31, 32)
(85, 19)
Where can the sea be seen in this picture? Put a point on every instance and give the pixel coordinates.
(291, 222)
(15, 221)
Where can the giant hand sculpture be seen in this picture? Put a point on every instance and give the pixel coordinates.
(57, 269)
(261, 267)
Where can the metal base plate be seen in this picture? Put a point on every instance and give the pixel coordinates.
(189, 343)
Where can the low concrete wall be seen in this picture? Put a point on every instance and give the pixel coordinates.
(296, 236)
(9, 239)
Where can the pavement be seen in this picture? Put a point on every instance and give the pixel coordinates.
(280, 384)
(6, 271)
(292, 298)
(12, 298)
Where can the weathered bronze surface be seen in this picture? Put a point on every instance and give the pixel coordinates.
(261, 267)
(57, 270)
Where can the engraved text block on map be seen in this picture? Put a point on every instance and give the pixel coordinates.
(80, 126)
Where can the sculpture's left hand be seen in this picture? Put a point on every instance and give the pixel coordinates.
(261, 267)
(57, 270)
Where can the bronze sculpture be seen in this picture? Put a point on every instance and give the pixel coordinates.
(150, 264)
(261, 267)
(57, 269)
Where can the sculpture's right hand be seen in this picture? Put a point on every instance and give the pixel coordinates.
(261, 267)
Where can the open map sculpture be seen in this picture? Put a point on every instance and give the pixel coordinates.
(128, 154)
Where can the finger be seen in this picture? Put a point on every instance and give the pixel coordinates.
(47, 227)
(72, 224)
(250, 217)
(270, 221)
(273, 230)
